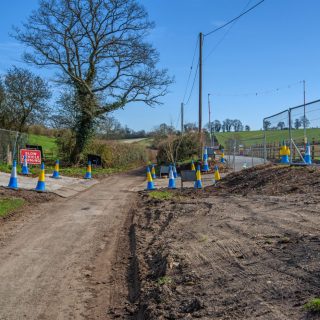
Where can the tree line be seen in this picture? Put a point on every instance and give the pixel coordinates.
(226, 125)
(297, 123)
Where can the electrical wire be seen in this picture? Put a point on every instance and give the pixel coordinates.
(225, 34)
(234, 19)
(257, 93)
(191, 68)
(194, 81)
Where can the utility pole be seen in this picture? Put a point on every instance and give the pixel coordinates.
(200, 94)
(304, 113)
(200, 81)
(182, 124)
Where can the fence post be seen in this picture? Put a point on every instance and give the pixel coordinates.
(290, 134)
(313, 147)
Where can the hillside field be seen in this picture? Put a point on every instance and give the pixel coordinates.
(257, 137)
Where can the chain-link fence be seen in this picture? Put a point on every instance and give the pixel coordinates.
(10, 144)
(293, 127)
(245, 153)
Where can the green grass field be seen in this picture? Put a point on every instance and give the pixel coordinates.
(257, 137)
(7, 206)
(48, 144)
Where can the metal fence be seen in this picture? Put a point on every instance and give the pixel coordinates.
(10, 144)
(245, 153)
(295, 127)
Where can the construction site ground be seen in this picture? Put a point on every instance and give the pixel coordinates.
(246, 248)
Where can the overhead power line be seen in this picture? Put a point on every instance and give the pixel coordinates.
(226, 33)
(234, 19)
(191, 69)
(257, 93)
(194, 81)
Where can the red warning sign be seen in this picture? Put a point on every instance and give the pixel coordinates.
(33, 156)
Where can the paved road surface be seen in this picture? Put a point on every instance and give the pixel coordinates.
(240, 161)
(46, 267)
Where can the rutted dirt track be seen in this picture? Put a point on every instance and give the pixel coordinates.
(57, 264)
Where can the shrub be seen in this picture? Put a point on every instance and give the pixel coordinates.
(115, 155)
(178, 148)
(65, 141)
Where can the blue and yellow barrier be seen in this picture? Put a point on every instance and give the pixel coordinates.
(88, 174)
(41, 185)
(150, 184)
(198, 183)
(56, 172)
(13, 182)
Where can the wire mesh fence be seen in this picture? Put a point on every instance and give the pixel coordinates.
(294, 127)
(245, 153)
(10, 144)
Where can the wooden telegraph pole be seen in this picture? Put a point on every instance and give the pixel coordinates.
(200, 91)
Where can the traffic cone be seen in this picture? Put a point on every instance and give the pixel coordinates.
(307, 156)
(56, 173)
(222, 159)
(284, 154)
(205, 160)
(89, 171)
(150, 185)
(175, 173)
(198, 183)
(193, 167)
(172, 181)
(41, 185)
(217, 176)
(25, 170)
(13, 182)
(153, 172)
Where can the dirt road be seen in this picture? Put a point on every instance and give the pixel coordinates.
(48, 269)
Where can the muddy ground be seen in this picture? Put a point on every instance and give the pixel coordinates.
(248, 248)
(10, 224)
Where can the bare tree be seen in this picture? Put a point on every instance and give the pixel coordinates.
(281, 125)
(227, 124)
(297, 123)
(26, 99)
(99, 48)
(266, 124)
(237, 125)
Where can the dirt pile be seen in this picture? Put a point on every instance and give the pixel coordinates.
(31, 197)
(222, 257)
(271, 180)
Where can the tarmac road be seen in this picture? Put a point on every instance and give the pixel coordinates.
(46, 268)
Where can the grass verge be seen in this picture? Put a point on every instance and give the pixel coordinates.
(161, 195)
(313, 305)
(71, 171)
(8, 206)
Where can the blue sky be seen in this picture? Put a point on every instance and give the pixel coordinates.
(274, 46)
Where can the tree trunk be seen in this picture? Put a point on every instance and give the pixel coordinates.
(85, 126)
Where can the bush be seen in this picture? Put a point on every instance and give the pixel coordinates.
(41, 130)
(66, 142)
(115, 155)
(178, 148)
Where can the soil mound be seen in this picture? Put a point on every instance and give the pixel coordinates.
(271, 180)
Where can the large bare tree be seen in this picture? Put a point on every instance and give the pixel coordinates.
(100, 49)
(26, 97)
